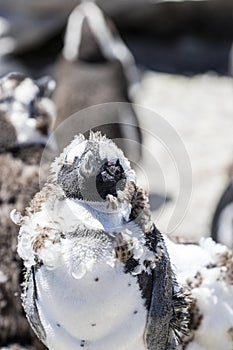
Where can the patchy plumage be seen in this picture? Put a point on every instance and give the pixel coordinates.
(207, 270)
(97, 68)
(98, 272)
(26, 118)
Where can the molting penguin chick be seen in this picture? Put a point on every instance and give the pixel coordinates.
(26, 117)
(98, 272)
(98, 68)
(27, 113)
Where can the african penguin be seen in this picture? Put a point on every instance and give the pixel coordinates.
(98, 272)
(26, 118)
(222, 223)
(97, 68)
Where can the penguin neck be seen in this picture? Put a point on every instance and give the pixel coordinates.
(107, 207)
(107, 214)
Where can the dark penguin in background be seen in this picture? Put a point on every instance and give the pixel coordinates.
(97, 68)
(27, 115)
(222, 223)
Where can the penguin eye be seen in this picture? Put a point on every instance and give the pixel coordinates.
(75, 162)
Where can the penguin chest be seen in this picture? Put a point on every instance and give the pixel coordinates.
(102, 310)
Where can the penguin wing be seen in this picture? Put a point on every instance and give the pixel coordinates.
(30, 300)
(159, 334)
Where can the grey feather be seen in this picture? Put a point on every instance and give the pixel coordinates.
(159, 335)
(168, 316)
(29, 298)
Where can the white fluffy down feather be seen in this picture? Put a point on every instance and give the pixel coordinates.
(207, 269)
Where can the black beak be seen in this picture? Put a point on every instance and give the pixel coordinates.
(110, 178)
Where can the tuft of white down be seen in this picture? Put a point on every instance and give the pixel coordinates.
(65, 216)
(25, 126)
(197, 265)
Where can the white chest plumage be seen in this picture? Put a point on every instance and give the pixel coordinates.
(102, 310)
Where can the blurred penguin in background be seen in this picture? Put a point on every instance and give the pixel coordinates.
(222, 223)
(27, 115)
(98, 68)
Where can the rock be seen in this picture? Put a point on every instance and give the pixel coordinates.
(199, 110)
(171, 17)
(25, 25)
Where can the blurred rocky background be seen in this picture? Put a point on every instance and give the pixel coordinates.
(187, 37)
(183, 50)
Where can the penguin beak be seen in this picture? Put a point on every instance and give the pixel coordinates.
(110, 178)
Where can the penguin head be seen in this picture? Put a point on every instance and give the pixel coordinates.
(93, 169)
(26, 110)
(88, 34)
